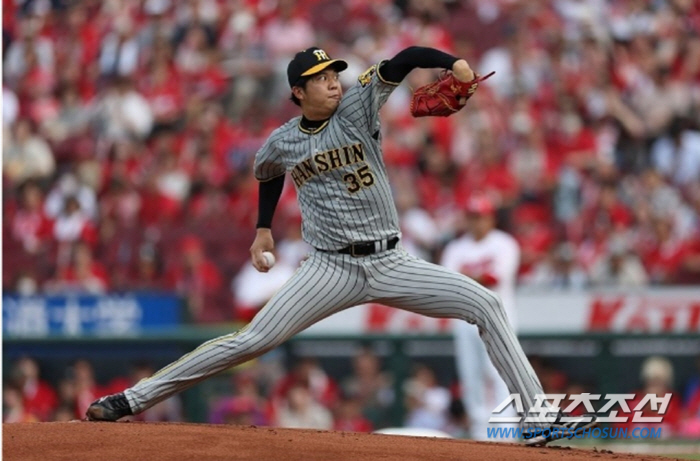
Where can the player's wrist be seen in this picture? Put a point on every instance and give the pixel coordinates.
(462, 71)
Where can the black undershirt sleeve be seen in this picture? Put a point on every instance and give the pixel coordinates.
(398, 67)
(270, 192)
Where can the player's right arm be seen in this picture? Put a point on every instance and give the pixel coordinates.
(270, 171)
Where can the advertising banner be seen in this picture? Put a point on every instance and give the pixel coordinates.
(87, 315)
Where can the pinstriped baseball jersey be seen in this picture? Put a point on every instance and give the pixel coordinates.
(338, 170)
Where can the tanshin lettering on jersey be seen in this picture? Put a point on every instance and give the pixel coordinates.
(329, 160)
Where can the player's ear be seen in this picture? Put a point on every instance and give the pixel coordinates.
(299, 93)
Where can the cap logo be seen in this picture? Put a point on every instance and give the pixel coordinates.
(321, 55)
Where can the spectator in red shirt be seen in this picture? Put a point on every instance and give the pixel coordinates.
(197, 279)
(309, 372)
(122, 202)
(608, 209)
(572, 143)
(489, 172)
(349, 417)
(148, 270)
(438, 183)
(163, 89)
(83, 275)
(690, 263)
(663, 261)
(30, 225)
(38, 397)
(37, 91)
(77, 38)
(534, 235)
(13, 408)
(209, 82)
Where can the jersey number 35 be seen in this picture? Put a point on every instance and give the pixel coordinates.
(358, 179)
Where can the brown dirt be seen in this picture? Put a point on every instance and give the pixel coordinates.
(83, 441)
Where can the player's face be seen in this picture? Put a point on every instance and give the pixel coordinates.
(322, 94)
(480, 224)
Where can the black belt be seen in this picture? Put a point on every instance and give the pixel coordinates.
(366, 248)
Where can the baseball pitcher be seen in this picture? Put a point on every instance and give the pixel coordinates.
(332, 152)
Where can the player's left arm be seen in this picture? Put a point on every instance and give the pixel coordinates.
(362, 102)
(398, 67)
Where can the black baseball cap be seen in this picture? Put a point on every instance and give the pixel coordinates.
(311, 61)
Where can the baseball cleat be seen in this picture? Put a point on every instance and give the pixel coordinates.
(109, 408)
(574, 426)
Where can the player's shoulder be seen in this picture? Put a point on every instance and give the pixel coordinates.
(369, 77)
(287, 127)
(503, 237)
(284, 131)
(365, 77)
(373, 73)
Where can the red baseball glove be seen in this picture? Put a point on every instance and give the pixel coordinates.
(445, 96)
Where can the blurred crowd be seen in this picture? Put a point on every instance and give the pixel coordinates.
(130, 128)
(262, 392)
(363, 399)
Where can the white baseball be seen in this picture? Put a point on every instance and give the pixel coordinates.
(269, 258)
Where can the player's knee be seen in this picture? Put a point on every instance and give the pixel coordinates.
(255, 342)
(495, 303)
(485, 300)
(477, 292)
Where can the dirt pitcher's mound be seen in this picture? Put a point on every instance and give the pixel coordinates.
(88, 441)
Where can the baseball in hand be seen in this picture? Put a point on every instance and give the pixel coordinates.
(269, 259)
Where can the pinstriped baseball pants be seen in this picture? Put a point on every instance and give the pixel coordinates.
(327, 283)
